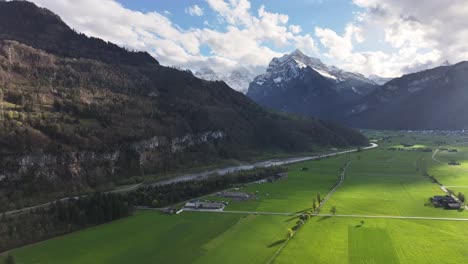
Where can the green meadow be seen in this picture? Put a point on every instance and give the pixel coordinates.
(150, 237)
(378, 182)
(377, 241)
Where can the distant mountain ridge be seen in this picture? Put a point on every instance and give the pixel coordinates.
(380, 80)
(431, 99)
(238, 79)
(300, 84)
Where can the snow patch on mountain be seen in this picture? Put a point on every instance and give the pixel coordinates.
(238, 79)
(278, 80)
(291, 66)
(325, 74)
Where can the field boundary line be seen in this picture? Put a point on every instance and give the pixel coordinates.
(278, 251)
(434, 158)
(329, 195)
(340, 215)
(397, 217)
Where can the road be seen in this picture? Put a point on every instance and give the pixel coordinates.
(130, 188)
(436, 160)
(202, 175)
(438, 150)
(341, 215)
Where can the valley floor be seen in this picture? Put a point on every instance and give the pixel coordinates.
(383, 215)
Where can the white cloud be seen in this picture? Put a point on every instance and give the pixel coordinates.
(234, 12)
(422, 34)
(244, 37)
(296, 29)
(389, 37)
(194, 10)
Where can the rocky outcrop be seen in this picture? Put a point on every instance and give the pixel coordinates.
(74, 172)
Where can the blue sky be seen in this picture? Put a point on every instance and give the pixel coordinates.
(333, 14)
(307, 13)
(383, 37)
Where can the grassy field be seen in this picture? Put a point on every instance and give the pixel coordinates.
(381, 182)
(378, 241)
(294, 194)
(150, 237)
(378, 182)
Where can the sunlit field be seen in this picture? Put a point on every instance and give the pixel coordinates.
(379, 182)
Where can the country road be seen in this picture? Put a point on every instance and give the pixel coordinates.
(338, 215)
(130, 188)
(202, 175)
(438, 150)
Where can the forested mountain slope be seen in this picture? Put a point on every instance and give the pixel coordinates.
(79, 113)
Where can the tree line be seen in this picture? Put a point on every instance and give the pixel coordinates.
(65, 216)
(61, 217)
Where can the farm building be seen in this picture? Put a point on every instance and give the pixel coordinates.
(446, 202)
(204, 205)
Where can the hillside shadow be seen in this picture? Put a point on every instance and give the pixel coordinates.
(276, 243)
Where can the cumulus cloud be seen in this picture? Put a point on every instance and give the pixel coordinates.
(245, 37)
(388, 37)
(296, 29)
(422, 35)
(194, 10)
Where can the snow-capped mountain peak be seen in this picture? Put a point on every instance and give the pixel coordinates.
(208, 74)
(238, 79)
(293, 65)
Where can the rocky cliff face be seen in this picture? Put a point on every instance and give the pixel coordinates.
(68, 173)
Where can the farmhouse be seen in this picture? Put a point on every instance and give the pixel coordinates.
(446, 202)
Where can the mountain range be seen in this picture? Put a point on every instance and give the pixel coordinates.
(431, 99)
(300, 84)
(238, 79)
(78, 113)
